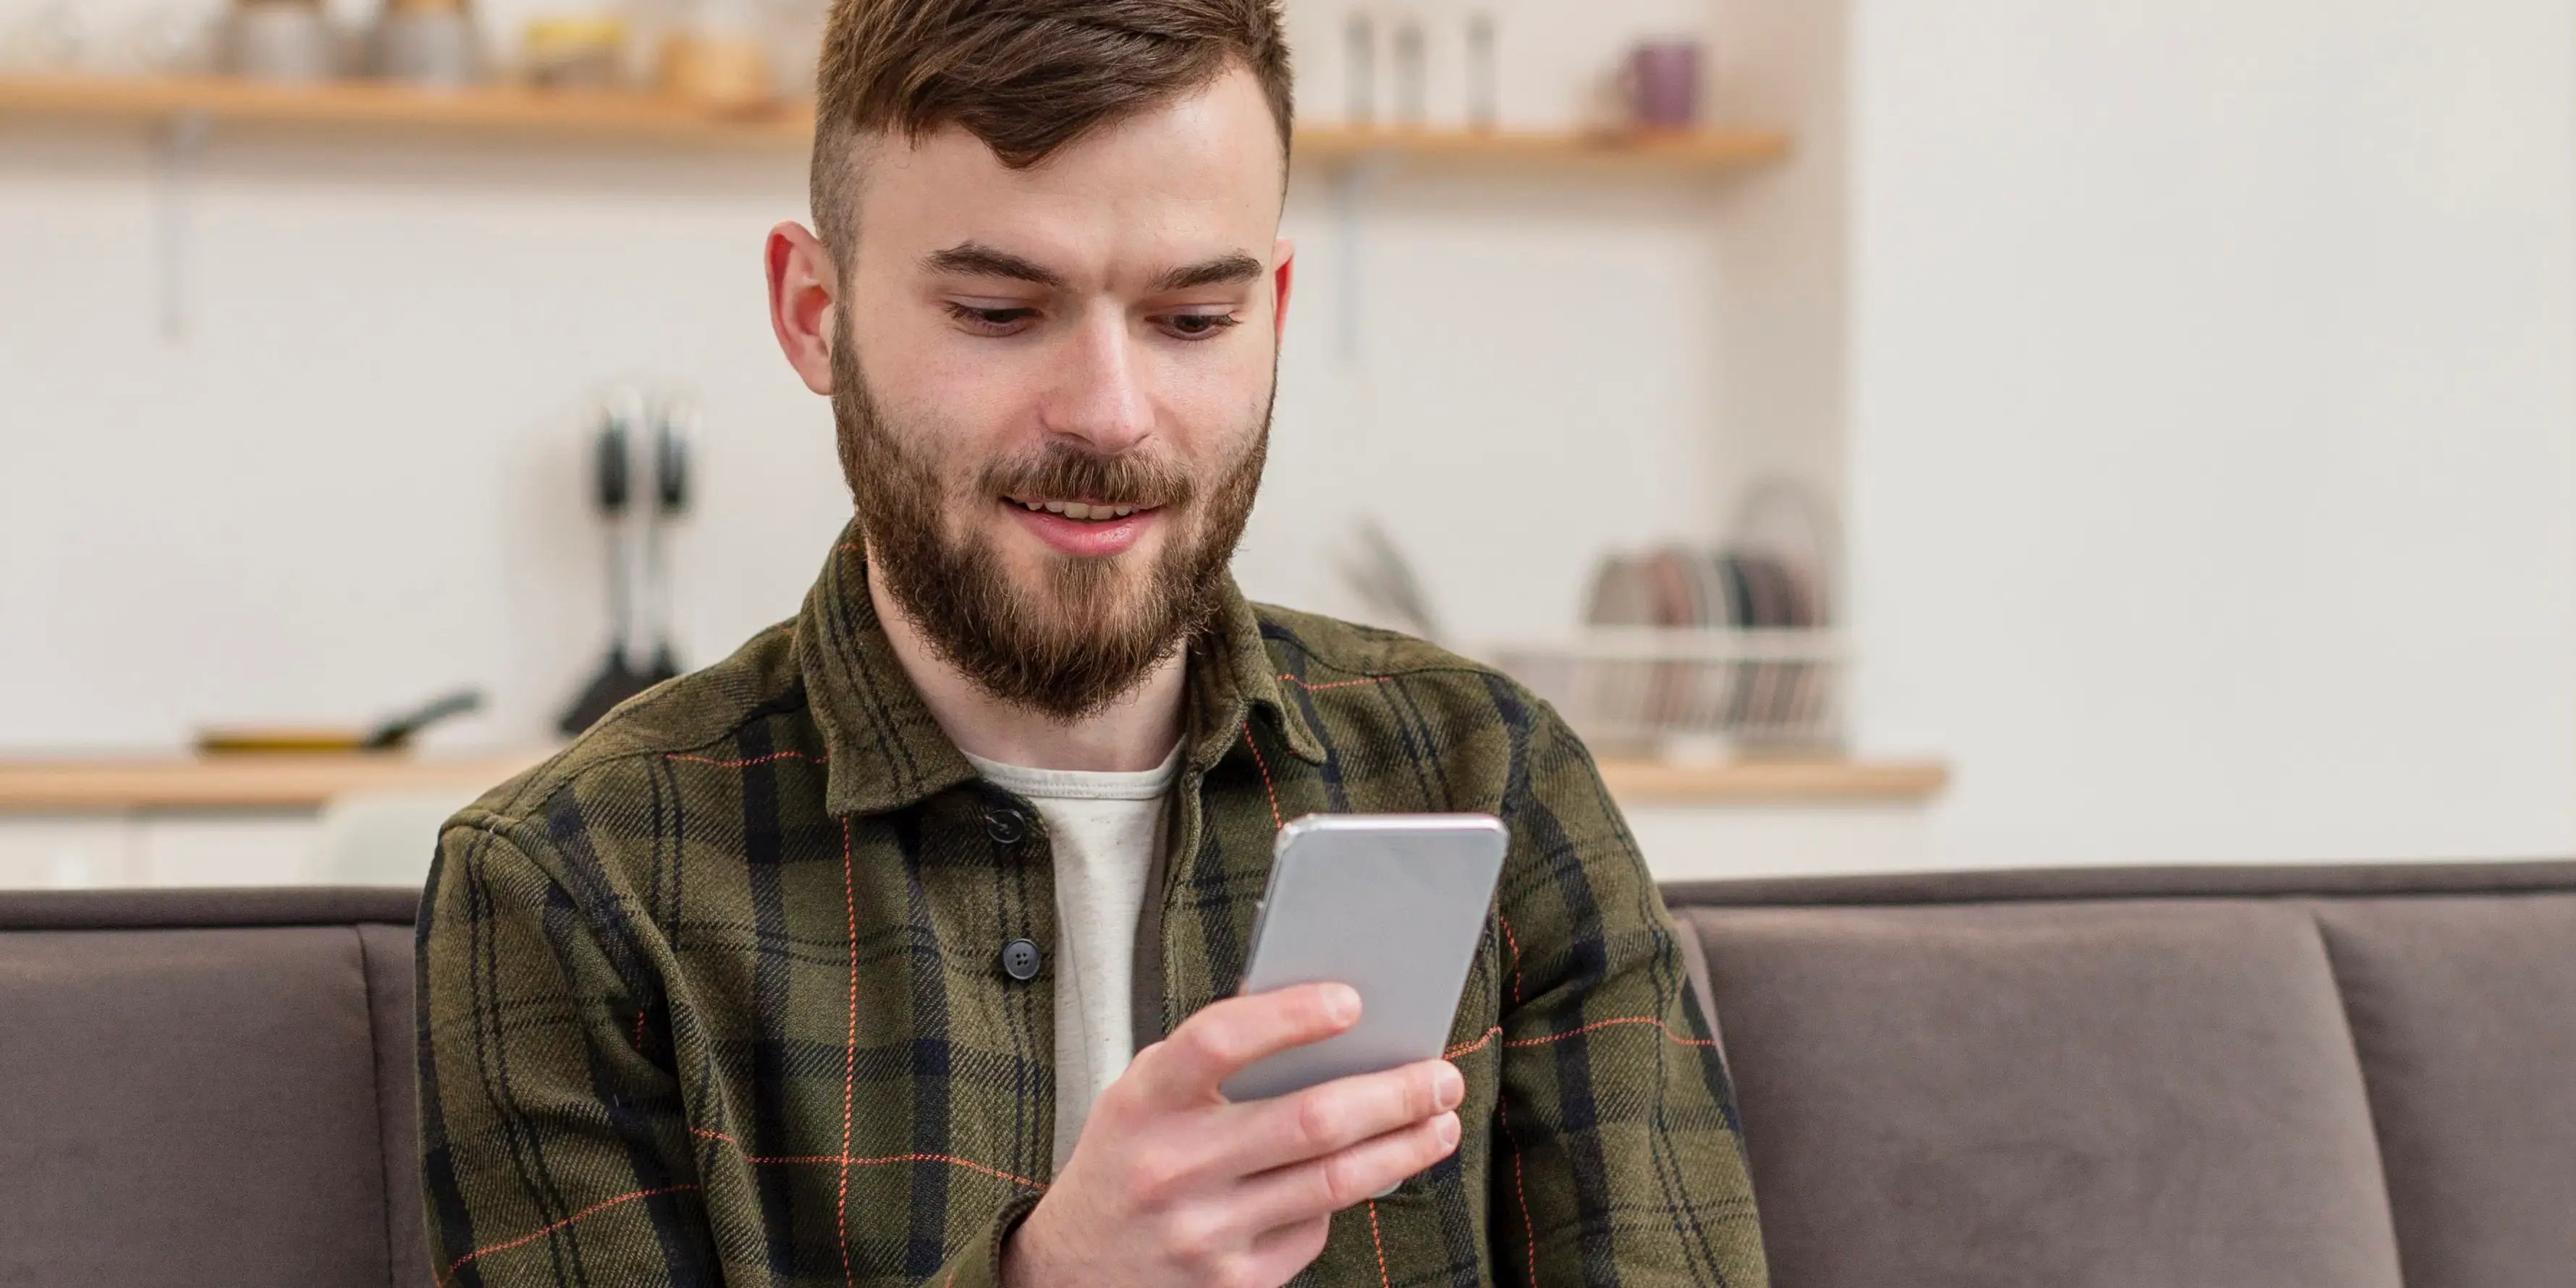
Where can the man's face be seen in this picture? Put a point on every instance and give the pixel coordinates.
(1053, 387)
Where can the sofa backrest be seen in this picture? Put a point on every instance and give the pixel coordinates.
(208, 1088)
(2223, 1078)
(2215, 1077)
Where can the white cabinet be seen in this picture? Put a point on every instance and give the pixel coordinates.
(230, 848)
(235, 849)
(42, 852)
(1712, 842)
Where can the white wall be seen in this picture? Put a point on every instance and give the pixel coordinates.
(2213, 406)
(2200, 376)
(357, 480)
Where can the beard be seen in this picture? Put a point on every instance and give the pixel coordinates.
(1092, 629)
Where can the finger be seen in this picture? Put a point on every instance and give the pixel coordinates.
(1336, 1115)
(1230, 1036)
(1323, 1186)
(1278, 1255)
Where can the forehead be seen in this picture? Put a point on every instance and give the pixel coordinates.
(1196, 176)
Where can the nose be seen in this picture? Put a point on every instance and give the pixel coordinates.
(1098, 396)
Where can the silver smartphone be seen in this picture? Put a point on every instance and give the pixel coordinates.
(1390, 904)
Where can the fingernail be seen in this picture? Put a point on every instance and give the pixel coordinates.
(1342, 1003)
(1448, 1131)
(1450, 1086)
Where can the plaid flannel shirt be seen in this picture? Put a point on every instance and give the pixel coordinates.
(715, 996)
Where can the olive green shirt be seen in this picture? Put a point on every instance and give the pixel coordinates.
(717, 995)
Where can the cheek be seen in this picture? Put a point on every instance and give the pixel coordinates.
(1213, 408)
(951, 399)
(952, 415)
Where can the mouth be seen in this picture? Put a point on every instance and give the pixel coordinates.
(1089, 529)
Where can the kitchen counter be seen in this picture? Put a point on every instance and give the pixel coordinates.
(248, 781)
(305, 782)
(1775, 782)
(260, 819)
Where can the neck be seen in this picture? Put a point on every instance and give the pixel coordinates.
(1135, 733)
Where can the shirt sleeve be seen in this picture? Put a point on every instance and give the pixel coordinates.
(554, 1150)
(556, 1147)
(1619, 1157)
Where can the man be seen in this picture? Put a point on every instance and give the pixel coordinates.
(901, 946)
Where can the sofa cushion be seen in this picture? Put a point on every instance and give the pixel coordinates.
(189, 1107)
(2120, 1094)
(2464, 1010)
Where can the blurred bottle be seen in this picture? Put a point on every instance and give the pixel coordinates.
(795, 32)
(427, 42)
(1484, 73)
(280, 40)
(1412, 66)
(719, 55)
(1359, 69)
(577, 51)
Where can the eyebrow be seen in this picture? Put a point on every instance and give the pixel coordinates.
(1224, 269)
(974, 259)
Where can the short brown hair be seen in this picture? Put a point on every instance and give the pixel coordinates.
(1025, 76)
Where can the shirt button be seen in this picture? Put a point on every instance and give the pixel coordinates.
(1020, 960)
(1005, 826)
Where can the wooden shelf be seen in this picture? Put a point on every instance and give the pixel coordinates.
(510, 112)
(1714, 149)
(305, 782)
(358, 105)
(239, 782)
(1775, 782)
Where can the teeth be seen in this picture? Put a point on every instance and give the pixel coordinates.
(1079, 509)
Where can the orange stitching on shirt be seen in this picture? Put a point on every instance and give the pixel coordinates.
(602, 1206)
(1603, 1024)
(850, 1060)
(639, 1030)
(756, 760)
(1469, 1048)
(1380, 1241)
(969, 1164)
(1336, 684)
(1496, 1031)
(1516, 954)
(1275, 819)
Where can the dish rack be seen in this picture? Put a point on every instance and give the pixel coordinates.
(1691, 693)
(1690, 652)
(1686, 652)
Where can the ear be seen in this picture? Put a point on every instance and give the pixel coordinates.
(802, 307)
(1284, 254)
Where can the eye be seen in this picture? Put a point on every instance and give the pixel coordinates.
(991, 321)
(1199, 326)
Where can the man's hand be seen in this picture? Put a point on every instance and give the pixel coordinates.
(1171, 1184)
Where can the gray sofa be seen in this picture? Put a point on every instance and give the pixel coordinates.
(2234, 1078)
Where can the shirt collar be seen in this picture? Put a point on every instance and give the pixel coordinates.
(886, 749)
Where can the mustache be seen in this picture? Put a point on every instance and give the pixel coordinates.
(1066, 471)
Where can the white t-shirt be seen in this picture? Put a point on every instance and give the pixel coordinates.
(1104, 829)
